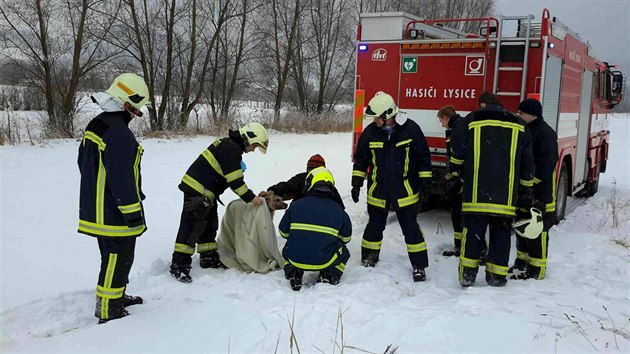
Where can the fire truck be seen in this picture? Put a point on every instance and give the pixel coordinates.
(426, 64)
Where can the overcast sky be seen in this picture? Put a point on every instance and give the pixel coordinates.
(604, 23)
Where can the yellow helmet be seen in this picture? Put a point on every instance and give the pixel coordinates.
(255, 134)
(317, 175)
(130, 88)
(381, 105)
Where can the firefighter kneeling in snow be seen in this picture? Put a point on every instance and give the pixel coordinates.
(399, 161)
(317, 229)
(492, 151)
(531, 259)
(111, 192)
(217, 168)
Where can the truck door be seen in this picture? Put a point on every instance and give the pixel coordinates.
(551, 91)
(584, 128)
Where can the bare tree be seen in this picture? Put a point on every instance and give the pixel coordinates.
(280, 33)
(57, 43)
(334, 49)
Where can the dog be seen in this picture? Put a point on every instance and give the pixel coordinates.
(274, 202)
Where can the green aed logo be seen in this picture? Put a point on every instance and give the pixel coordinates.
(410, 65)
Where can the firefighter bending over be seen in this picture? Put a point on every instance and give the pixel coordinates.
(399, 164)
(531, 259)
(217, 168)
(492, 151)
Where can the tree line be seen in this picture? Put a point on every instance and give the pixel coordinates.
(195, 53)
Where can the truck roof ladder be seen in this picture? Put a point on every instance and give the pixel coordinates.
(497, 64)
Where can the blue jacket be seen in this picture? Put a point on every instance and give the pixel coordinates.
(316, 228)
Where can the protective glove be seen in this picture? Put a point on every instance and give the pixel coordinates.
(355, 194)
(198, 206)
(453, 184)
(540, 206)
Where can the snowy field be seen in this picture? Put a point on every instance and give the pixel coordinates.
(49, 272)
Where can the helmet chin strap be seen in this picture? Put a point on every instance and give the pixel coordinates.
(133, 110)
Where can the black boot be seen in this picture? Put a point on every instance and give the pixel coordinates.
(468, 277)
(129, 300)
(369, 258)
(452, 252)
(325, 276)
(295, 279)
(181, 273)
(518, 267)
(115, 310)
(495, 279)
(210, 259)
(121, 314)
(418, 274)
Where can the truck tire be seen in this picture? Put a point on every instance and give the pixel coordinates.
(562, 192)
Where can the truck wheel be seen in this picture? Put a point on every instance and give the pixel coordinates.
(593, 186)
(562, 192)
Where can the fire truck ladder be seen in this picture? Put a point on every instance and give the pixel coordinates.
(522, 39)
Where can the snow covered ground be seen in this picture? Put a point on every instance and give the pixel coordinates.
(49, 271)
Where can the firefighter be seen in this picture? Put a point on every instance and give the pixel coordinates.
(398, 160)
(532, 254)
(317, 230)
(110, 194)
(217, 168)
(491, 149)
(294, 187)
(449, 118)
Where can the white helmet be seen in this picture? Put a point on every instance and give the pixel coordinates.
(531, 227)
(255, 134)
(130, 88)
(381, 105)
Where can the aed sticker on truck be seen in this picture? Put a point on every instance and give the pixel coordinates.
(410, 65)
(475, 66)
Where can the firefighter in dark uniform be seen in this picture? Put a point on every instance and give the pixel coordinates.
(317, 230)
(399, 164)
(491, 149)
(111, 195)
(449, 118)
(294, 187)
(532, 254)
(217, 168)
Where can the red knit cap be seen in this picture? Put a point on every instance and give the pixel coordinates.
(315, 161)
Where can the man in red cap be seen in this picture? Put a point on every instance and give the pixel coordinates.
(294, 187)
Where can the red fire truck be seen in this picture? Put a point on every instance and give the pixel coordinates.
(426, 64)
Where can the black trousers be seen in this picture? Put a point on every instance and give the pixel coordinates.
(473, 241)
(456, 219)
(534, 252)
(414, 238)
(117, 255)
(193, 232)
